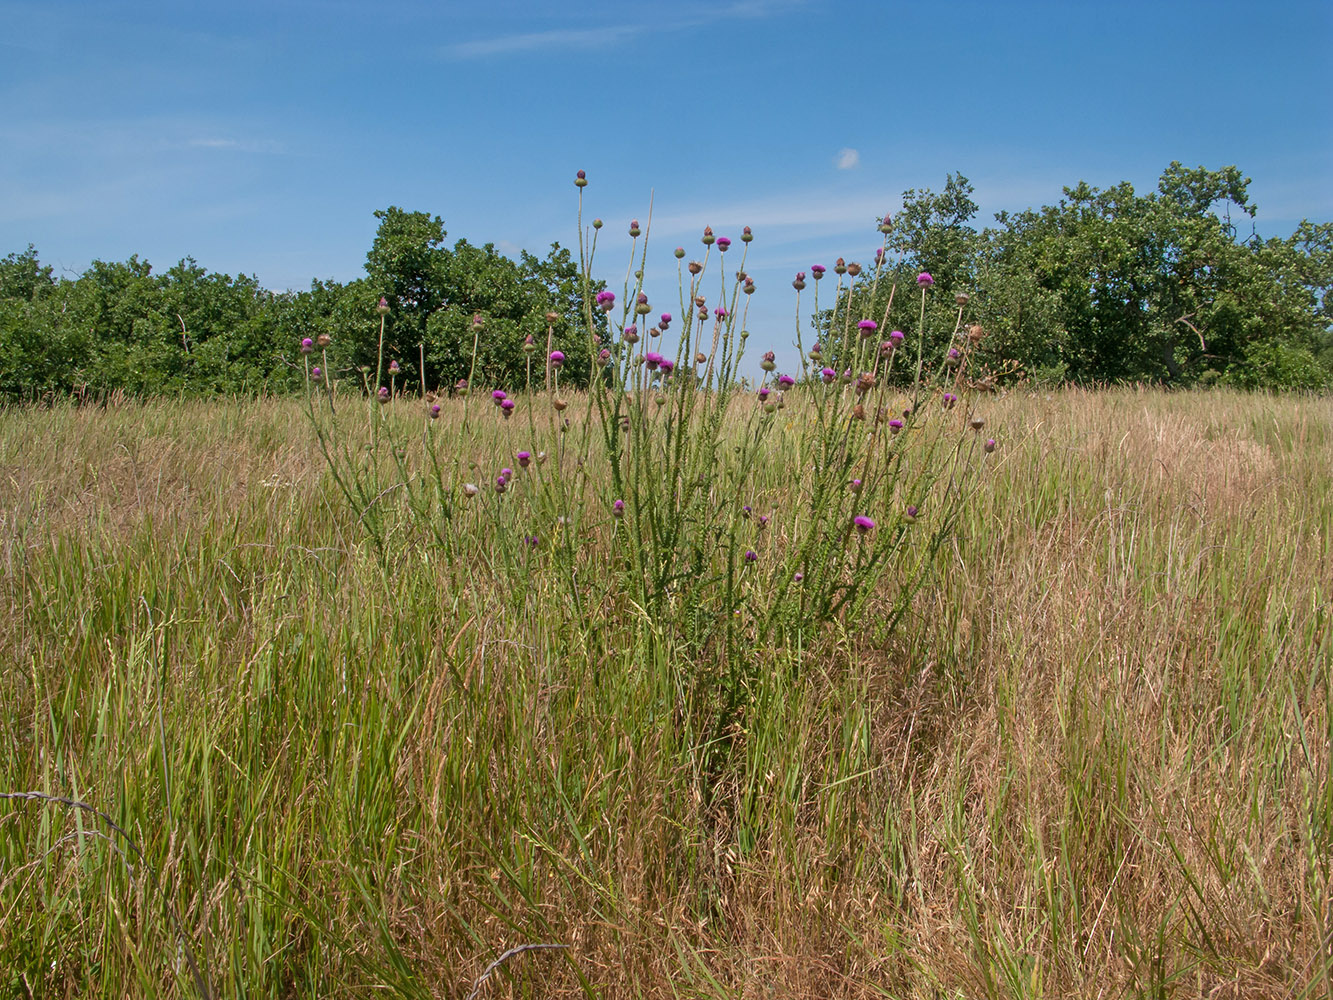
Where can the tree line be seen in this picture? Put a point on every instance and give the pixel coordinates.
(1105, 286)
(187, 331)
(1112, 286)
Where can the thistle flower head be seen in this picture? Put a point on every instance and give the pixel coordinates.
(817, 271)
(665, 320)
(606, 301)
(524, 459)
(557, 358)
(618, 508)
(855, 486)
(924, 279)
(990, 445)
(708, 238)
(799, 282)
(751, 555)
(895, 425)
(667, 366)
(828, 375)
(507, 407)
(634, 229)
(394, 369)
(323, 340)
(720, 313)
(763, 393)
(867, 327)
(786, 381)
(723, 244)
(307, 345)
(316, 373)
(896, 337)
(383, 306)
(506, 474)
(384, 394)
(769, 361)
(680, 253)
(653, 360)
(435, 411)
(581, 178)
(746, 235)
(498, 395)
(839, 266)
(862, 523)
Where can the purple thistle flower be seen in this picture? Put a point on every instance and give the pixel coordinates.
(307, 345)
(506, 406)
(393, 368)
(383, 306)
(604, 355)
(667, 366)
(763, 520)
(867, 327)
(769, 361)
(499, 396)
(501, 484)
(581, 179)
(863, 523)
(606, 301)
(897, 337)
(745, 512)
(786, 381)
(909, 515)
(720, 313)
(763, 392)
(506, 474)
(653, 360)
(990, 445)
(618, 508)
(435, 411)
(634, 227)
(384, 394)
(666, 320)
(924, 279)
(723, 244)
(557, 358)
(798, 578)
(828, 375)
(948, 400)
(895, 425)
(524, 457)
(817, 271)
(316, 373)
(531, 541)
(799, 282)
(954, 353)
(751, 555)
(855, 485)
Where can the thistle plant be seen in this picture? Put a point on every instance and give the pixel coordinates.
(652, 504)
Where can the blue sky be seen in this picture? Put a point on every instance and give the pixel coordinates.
(260, 137)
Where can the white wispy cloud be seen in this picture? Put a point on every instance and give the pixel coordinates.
(606, 36)
(238, 145)
(557, 39)
(848, 159)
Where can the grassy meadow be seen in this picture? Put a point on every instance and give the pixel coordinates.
(1092, 760)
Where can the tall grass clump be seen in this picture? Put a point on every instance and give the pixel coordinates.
(657, 495)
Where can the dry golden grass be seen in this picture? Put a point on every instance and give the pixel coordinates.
(1093, 762)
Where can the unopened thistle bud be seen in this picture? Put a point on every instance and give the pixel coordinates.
(634, 229)
(746, 235)
(708, 238)
(769, 361)
(839, 266)
(383, 307)
(581, 179)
